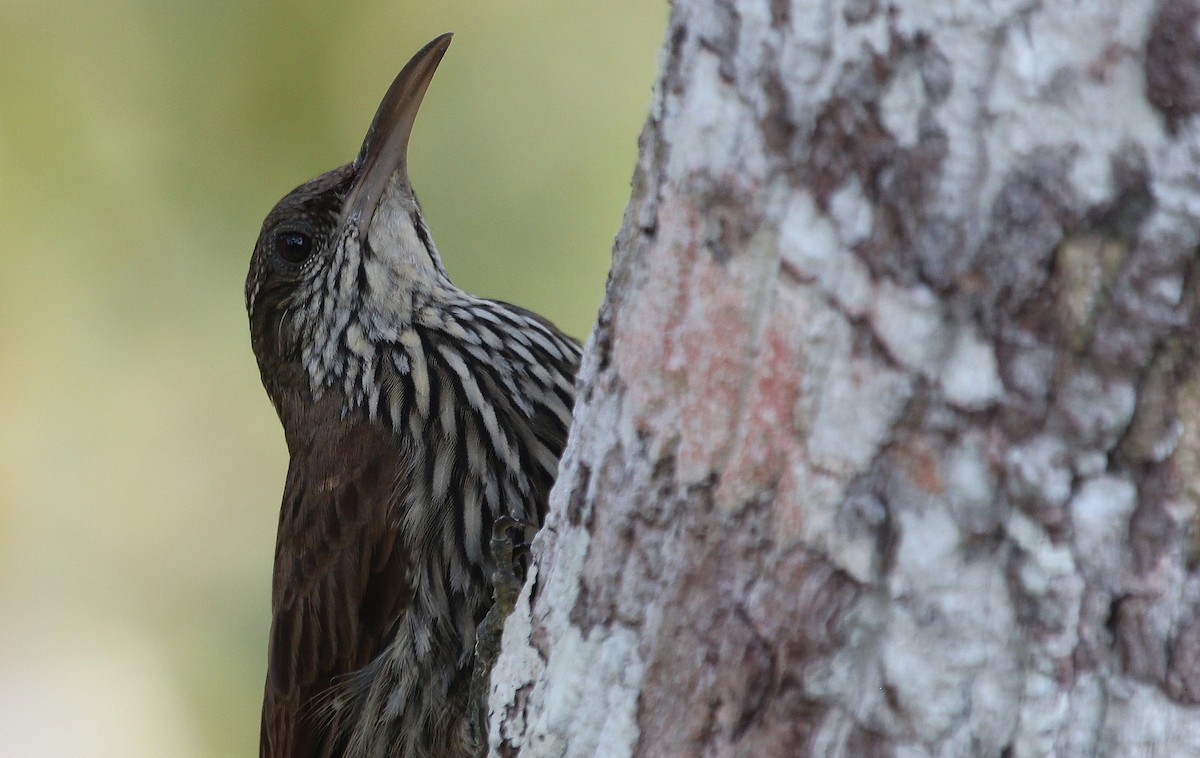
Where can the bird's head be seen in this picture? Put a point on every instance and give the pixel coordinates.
(341, 259)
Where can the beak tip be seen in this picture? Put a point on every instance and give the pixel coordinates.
(384, 150)
(438, 45)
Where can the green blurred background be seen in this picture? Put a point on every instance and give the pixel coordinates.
(141, 144)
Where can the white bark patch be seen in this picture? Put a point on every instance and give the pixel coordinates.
(1040, 470)
(908, 321)
(852, 212)
(928, 541)
(1098, 409)
(1044, 713)
(513, 671)
(1177, 185)
(560, 692)
(596, 726)
(1048, 578)
(970, 378)
(1060, 74)
(858, 402)
(1046, 561)
(956, 612)
(714, 118)
(1100, 514)
(808, 240)
(971, 485)
(1143, 721)
(556, 692)
(818, 248)
(814, 520)
(902, 104)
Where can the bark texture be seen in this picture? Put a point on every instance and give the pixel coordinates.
(888, 438)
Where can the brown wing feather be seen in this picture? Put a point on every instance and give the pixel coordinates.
(341, 581)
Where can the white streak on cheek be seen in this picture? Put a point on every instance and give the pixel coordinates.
(382, 280)
(392, 231)
(393, 237)
(393, 269)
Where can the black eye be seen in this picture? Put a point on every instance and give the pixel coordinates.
(293, 247)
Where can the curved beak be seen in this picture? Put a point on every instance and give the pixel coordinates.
(385, 149)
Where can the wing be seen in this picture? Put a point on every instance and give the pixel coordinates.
(341, 581)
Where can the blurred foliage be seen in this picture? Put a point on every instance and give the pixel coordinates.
(141, 144)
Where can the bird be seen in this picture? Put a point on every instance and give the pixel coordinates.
(421, 422)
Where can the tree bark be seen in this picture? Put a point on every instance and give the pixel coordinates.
(887, 440)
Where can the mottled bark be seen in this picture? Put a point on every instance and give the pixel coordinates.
(888, 439)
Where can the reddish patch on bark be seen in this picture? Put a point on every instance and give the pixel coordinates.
(682, 348)
(640, 339)
(921, 466)
(767, 435)
(714, 341)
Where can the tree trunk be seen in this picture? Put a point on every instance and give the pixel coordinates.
(888, 433)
